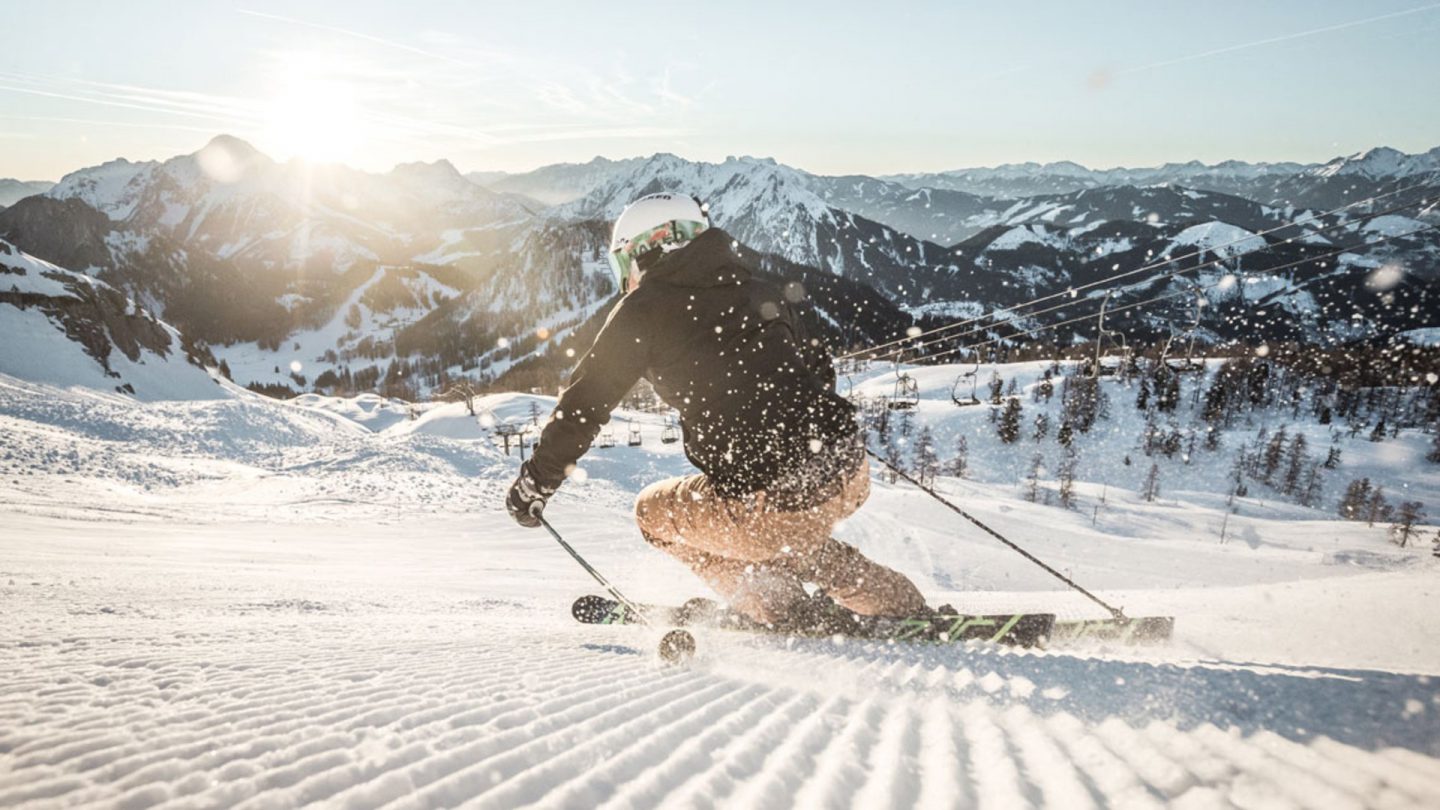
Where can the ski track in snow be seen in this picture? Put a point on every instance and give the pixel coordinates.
(262, 606)
(134, 688)
(459, 714)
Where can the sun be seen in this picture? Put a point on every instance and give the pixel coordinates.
(314, 118)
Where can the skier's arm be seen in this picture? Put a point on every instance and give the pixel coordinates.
(814, 353)
(602, 378)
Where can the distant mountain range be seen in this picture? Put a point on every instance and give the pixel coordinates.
(12, 190)
(301, 275)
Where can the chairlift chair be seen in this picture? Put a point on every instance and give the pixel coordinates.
(670, 433)
(1106, 366)
(607, 437)
(1188, 364)
(634, 440)
(907, 393)
(973, 376)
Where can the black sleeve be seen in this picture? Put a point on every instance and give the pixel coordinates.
(814, 353)
(602, 378)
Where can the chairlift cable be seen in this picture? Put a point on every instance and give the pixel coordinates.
(1199, 252)
(892, 355)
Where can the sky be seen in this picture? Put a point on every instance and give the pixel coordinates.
(831, 87)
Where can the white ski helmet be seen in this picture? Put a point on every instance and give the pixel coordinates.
(665, 221)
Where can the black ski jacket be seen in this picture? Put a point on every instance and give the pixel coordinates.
(726, 349)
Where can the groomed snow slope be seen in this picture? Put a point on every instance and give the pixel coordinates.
(247, 603)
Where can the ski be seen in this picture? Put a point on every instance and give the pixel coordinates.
(942, 627)
(1138, 630)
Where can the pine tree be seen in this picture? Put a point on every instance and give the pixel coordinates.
(1297, 458)
(1378, 434)
(907, 423)
(1172, 443)
(1216, 413)
(1314, 484)
(1142, 399)
(1377, 509)
(1274, 453)
(225, 370)
(960, 464)
(1357, 494)
(996, 386)
(1067, 479)
(1066, 434)
(1011, 389)
(1032, 481)
(1406, 516)
(1046, 388)
(1167, 395)
(1082, 402)
(1332, 459)
(1237, 478)
(1151, 488)
(1010, 422)
(1042, 425)
(894, 461)
(927, 463)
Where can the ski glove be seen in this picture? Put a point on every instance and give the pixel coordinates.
(526, 502)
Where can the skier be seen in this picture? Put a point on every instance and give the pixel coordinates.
(782, 458)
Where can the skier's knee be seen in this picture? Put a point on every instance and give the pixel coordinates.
(644, 508)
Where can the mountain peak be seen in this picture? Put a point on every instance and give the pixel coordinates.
(441, 169)
(1375, 163)
(239, 148)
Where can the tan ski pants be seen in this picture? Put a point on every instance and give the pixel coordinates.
(757, 558)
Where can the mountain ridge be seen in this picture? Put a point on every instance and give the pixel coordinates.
(411, 278)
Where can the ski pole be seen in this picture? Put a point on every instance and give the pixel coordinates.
(1115, 612)
(604, 583)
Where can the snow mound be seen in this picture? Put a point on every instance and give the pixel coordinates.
(371, 411)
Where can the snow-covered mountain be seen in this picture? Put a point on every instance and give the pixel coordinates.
(233, 202)
(303, 276)
(1013, 180)
(232, 245)
(13, 191)
(66, 328)
(559, 183)
(1326, 185)
(774, 209)
(1381, 163)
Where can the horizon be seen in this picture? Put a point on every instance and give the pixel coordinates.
(465, 171)
(930, 87)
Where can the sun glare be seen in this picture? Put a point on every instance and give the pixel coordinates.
(315, 119)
